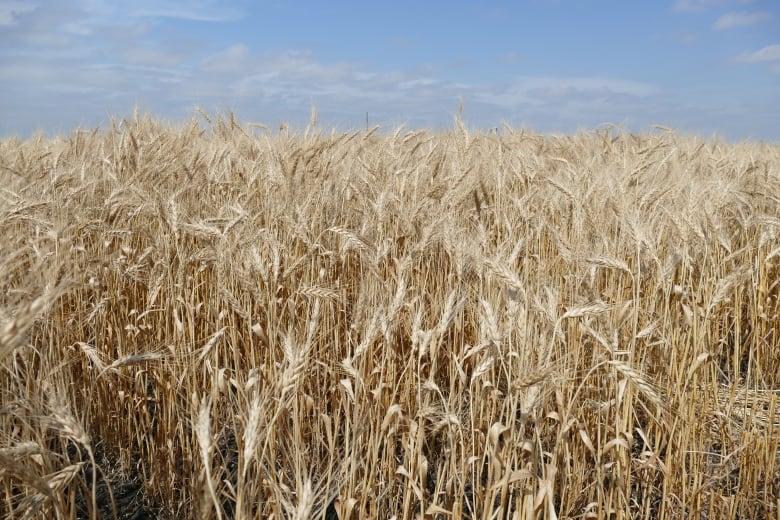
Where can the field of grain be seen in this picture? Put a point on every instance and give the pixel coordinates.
(224, 321)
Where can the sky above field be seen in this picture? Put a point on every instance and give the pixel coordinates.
(710, 67)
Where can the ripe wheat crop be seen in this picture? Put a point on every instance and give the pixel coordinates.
(221, 321)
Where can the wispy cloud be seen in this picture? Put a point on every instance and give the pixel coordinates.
(557, 87)
(195, 10)
(239, 67)
(233, 59)
(52, 25)
(698, 6)
(11, 10)
(299, 74)
(69, 63)
(692, 6)
(768, 53)
(150, 55)
(740, 19)
(277, 86)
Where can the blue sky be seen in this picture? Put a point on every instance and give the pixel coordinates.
(709, 67)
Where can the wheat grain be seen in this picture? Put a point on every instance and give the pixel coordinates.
(365, 310)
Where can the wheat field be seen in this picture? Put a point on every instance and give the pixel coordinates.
(218, 320)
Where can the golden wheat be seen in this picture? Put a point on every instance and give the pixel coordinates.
(224, 322)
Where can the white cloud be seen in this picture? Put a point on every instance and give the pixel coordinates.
(194, 11)
(234, 59)
(59, 24)
(10, 11)
(768, 53)
(245, 69)
(280, 84)
(33, 72)
(150, 56)
(698, 6)
(740, 19)
(70, 63)
(557, 87)
(692, 6)
(109, 11)
(417, 82)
